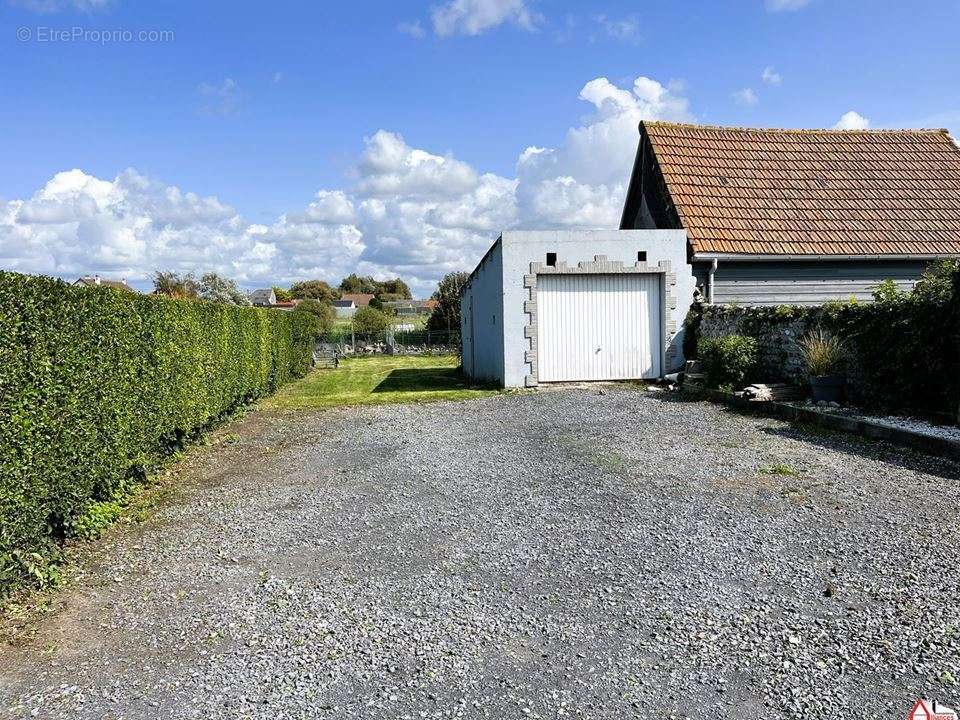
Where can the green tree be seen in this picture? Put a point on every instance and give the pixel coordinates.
(323, 312)
(446, 316)
(396, 288)
(370, 320)
(313, 290)
(282, 295)
(937, 282)
(353, 283)
(175, 285)
(218, 289)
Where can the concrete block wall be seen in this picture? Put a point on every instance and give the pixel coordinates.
(496, 310)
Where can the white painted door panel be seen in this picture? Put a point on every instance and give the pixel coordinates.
(598, 327)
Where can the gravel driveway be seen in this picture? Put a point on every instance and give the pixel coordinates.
(560, 554)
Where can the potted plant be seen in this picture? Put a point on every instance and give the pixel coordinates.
(823, 354)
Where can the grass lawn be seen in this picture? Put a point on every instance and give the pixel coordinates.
(378, 380)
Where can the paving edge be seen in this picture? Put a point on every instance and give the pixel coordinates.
(855, 426)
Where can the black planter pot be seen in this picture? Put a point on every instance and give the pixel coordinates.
(827, 388)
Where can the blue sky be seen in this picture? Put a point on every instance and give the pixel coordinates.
(206, 149)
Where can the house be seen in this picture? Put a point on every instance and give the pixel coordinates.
(265, 297)
(360, 300)
(285, 305)
(344, 308)
(411, 307)
(97, 281)
(758, 217)
(799, 216)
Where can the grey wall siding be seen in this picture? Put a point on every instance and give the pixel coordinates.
(481, 319)
(804, 283)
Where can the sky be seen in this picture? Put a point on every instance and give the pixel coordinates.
(296, 140)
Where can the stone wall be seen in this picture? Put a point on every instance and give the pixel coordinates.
(778, 332)
(902, 350)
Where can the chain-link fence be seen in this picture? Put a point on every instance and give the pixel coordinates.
(345, 342)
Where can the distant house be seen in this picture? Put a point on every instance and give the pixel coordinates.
(344, 308)
(97, 281)
(411, 307)
(360, 300)
(265, 297)
(286, 305)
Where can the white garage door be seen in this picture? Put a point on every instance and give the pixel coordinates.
(598, 327)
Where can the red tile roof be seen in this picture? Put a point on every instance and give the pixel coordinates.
(811, 192)
(359, 299)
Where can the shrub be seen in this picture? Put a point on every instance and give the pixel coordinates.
(370, 320)
(97, 385)
(323, 313)
(822, 352)
(728, 360)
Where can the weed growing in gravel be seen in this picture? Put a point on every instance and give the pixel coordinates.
(609, 461)
(780, 469)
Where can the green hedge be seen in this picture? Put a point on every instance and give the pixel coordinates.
(903, 348)
(97, 384)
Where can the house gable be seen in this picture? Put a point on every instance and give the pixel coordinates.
(793, 193)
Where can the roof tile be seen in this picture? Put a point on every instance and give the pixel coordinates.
(805, 192)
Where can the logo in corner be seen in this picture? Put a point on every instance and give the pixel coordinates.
(931, 710)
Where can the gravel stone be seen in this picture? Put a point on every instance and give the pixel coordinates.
(564, 553)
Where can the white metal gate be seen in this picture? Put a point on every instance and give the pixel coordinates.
(598, 327)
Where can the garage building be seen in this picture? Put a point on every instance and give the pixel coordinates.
(750, 216)
(561, 306)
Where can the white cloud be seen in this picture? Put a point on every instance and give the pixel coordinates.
(785, 5)
(626, 29)
(582, 184)
(389, 167)
(474, 17)
(851, 120)
(78, 224)
(222, 99)
(770, 76)
(406, 211)
(414, 29)
(332, 207)
(746, 96)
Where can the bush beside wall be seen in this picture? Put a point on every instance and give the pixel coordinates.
(903, 350)
(97, 384)
(728, 360)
